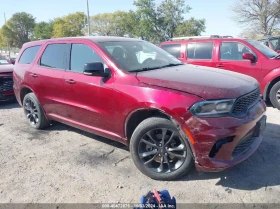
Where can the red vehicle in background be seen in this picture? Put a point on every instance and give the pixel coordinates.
(6, 80)
(239, 55)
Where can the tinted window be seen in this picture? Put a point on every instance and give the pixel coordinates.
(3, 60)
(233, 51)
(54, 56)
(80, 55)
(201, 50)
(173, 49)
(29, 54)
(275, 43)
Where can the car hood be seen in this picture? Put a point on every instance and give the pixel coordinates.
(6, 68)
(205, 82)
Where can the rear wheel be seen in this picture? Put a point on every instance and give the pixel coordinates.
(274, 95)
(158, 150)
(33, 112)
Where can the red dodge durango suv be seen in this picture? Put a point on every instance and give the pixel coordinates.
(239, 55)
(170, 114)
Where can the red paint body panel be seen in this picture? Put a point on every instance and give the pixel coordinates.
(104, 106)
(264, 70)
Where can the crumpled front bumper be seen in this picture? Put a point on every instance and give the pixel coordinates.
(206, 133)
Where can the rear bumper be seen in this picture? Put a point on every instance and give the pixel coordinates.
(233, 132)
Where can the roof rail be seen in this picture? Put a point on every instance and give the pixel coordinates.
(198, 37)
(194, 37)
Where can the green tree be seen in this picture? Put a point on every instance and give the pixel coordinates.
(70, 25)
(19, 28)
(157, 23)
(43, 30)
(112, 24)
(191, 27)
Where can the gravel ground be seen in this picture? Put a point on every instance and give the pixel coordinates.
(66, 165)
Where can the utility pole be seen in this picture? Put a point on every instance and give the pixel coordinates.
(88, 19)
(7, 40)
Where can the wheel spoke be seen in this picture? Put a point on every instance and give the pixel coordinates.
(167, 162)
(164, 131)
(179, 148)
(170, 138)
(176, 155)
(148, 143)
(146, 154)
(149, 134)
(160, 168)
(150, 160)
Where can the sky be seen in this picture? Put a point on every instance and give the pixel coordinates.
(217, 13)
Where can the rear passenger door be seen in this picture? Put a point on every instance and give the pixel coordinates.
(48, 78)
(89, 99)
(200, 53)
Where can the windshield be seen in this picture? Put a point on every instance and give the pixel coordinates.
(3, 61)
(262, 48)
(137, 56)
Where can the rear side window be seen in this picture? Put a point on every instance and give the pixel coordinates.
(200, 50)
(80, 55)
(29, 54)
(173, 49)
(55, 56)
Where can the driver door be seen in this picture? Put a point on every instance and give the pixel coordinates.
(230, 58)
(89, 99)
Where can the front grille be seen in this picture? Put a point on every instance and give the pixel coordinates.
(243, 145)
(6, 84)
(243, 103)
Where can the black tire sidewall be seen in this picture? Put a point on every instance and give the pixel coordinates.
(272, 95)
(143, 128)
(41, 115)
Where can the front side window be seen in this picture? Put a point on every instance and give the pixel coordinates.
(233, 51)
(29, 54)
(80, 55)
(54, 56)
(173, 49)
(137, 56)
(268, 52)
(200, 50)
(275, 42)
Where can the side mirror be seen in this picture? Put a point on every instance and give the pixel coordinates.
(96, 69)
(249, 56)
(12, 61)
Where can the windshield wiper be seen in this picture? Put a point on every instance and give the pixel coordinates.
(155, 68)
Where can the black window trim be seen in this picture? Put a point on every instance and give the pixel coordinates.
(34, 59)
(196, 42)
(219, 56)
(66, 60)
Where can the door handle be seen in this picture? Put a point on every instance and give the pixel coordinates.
(34, 75)
(70, 81)
(220, 65)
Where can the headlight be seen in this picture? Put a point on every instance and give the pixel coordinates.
(212, 108)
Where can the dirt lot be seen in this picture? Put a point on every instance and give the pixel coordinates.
(63, 164)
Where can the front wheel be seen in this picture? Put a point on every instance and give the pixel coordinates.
(274, 95)
(33, 112)
(158, 150)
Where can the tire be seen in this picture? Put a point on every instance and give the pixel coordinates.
(159, 159)
(34, 113)
(274, 95)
